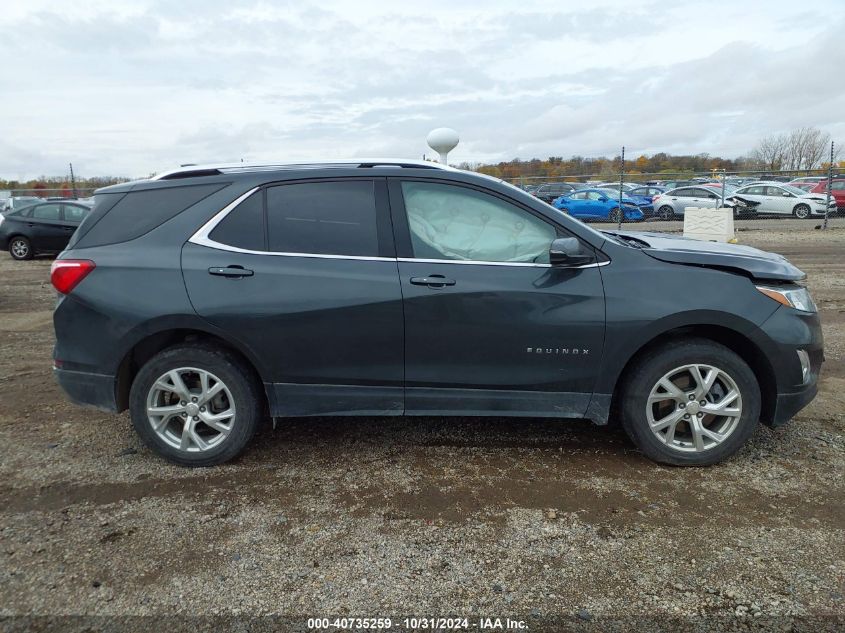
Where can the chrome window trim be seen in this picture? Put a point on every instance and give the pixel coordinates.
(201, 238)
(487, 263)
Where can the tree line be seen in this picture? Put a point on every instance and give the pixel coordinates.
(802, 150)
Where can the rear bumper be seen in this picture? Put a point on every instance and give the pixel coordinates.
(94, 390)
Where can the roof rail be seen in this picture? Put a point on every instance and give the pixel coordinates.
(194, 171)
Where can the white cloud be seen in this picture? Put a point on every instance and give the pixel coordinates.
(133, 87)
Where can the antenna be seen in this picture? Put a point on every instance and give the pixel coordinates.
(72, 180)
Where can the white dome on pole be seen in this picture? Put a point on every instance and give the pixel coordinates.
(443, 140)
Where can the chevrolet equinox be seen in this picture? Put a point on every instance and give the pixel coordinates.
(207, 298)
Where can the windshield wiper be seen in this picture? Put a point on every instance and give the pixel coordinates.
(629, 239)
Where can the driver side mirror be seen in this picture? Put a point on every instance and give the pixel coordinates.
(565, 252)
(786, 194)
(602, 199)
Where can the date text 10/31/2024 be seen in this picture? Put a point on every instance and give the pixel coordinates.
(418, 623)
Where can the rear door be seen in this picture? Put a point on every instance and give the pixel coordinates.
(490, 326)
(304, 275)
(46, 229)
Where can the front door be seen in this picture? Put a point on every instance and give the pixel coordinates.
(490, 326)
(314, 296)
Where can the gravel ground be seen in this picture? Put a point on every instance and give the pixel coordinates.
(560, 525)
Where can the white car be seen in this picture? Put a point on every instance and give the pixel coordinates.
(783, 199)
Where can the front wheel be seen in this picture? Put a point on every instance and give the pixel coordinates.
(802, 212)
(20, 248)
(616, 215)
(693, 403)
(195, 405)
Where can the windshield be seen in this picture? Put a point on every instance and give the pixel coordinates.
(612, 193)
(793, 190)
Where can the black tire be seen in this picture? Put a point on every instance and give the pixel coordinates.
(564, 210)
(802, 211)
(616, 215)
(237, 376)
(20, 248)
(656, 363)
(666, 212)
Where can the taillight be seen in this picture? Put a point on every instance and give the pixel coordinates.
(655, 197)
(65, 274)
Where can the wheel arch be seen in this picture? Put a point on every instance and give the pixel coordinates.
(153, 342)
(733, 339)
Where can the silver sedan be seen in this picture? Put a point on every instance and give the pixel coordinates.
(672, 203)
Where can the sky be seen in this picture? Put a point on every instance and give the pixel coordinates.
(128, 88)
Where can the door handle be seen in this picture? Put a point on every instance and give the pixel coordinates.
(231, 271)
(434, 281)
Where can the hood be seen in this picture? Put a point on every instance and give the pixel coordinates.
(757, 264)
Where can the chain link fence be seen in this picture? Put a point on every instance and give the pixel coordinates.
(758, 199)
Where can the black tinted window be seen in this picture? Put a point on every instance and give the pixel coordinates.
(46, 212)
(331, 218)
(683, 193)
(244, 226)
(139, 212)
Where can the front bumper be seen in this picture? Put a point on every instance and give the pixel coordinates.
(788, 404)
(787, 331)
(95, 390)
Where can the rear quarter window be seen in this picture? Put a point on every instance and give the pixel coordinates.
(133, 214)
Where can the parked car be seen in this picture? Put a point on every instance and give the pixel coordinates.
(837, 191)
(626, 186)
(778, 198)
(644, 204)
(806, 179)
(206, 296)
(646, 191)
(673, 202)
(598, 204)
(43, 227)
(551, 190)
(18, 202)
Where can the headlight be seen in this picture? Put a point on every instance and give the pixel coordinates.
(796, 297)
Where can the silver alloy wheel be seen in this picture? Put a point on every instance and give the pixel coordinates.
(802, 211)
(190, 409)
(694, 408)
(20, 248)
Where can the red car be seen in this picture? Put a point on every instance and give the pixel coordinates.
(837, 190)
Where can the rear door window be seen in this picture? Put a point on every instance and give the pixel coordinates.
(46, 212)
(327, 218)
(243, 227)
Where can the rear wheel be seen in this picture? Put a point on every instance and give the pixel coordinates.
(802, 211)
(692, 403)
(666, 212)
(20, 248)
(195, 405)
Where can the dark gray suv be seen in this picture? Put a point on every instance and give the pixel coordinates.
(205, 299)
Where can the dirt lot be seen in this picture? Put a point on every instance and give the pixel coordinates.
(562, 525)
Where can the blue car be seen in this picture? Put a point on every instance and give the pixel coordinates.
(599, 204)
